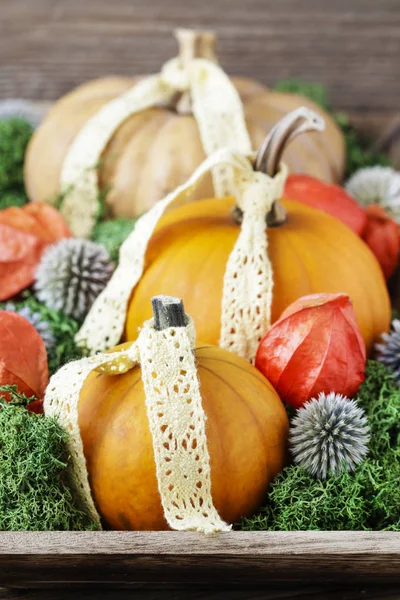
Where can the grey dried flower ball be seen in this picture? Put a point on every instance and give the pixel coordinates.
(329, 434)
(389, 350)
(42, 327)
(71, 275)
(377, 185)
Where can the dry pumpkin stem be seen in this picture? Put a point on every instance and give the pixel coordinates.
(168, 311)
(269, 156)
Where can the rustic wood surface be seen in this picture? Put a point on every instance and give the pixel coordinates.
(267, 592)
(352, 46)
(126, 559)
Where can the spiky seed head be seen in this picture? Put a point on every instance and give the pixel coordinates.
(42, 327)
(329, 434)
(377, 185)
(71, 275)
(389, 349)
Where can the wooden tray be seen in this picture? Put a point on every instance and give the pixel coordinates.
(126, 559)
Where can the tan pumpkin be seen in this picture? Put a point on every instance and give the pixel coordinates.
(246, 432)
(156, 150)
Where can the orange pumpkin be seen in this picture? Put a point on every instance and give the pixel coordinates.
(312, 252)
(158, 149)
(119, 452)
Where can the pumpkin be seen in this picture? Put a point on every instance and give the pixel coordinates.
(156, 150)
(312, 252)
(118, 445)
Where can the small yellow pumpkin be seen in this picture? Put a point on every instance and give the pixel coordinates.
(246, 431)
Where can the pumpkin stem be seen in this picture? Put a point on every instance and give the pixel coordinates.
(168, 311)
(193, 44)
(269, 156)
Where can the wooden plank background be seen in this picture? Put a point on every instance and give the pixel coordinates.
(352, 46)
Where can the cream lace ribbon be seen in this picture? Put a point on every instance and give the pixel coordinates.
(176, 419)
(247, 291)
(217, 109)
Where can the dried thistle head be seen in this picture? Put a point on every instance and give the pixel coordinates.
(389, 349)
(329, 434)
(71, 274)
(377, 185)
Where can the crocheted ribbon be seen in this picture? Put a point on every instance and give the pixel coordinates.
(248, 278)
(176, 419)
(216, 106)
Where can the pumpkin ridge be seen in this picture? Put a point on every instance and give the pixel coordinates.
(257, 424)
(366, 269)
(286, 233)
(155, 142)
(103, 432)
(325, 241)
(259, 427)
(109, 177)
(361, 263)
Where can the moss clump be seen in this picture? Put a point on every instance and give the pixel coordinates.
(369, 499)
(14, 137)
(379, 396)
(315, 91)
(34, 490)
(12, 198)
(358, 153)
(61, 326)
(111, 234)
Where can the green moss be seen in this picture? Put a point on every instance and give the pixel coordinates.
(369, 499)
(14, 137)
(34, 489)
(111, 234)
(379, 395)
(63, 328)
(315, 91)
(12, 198)
(358, 152)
